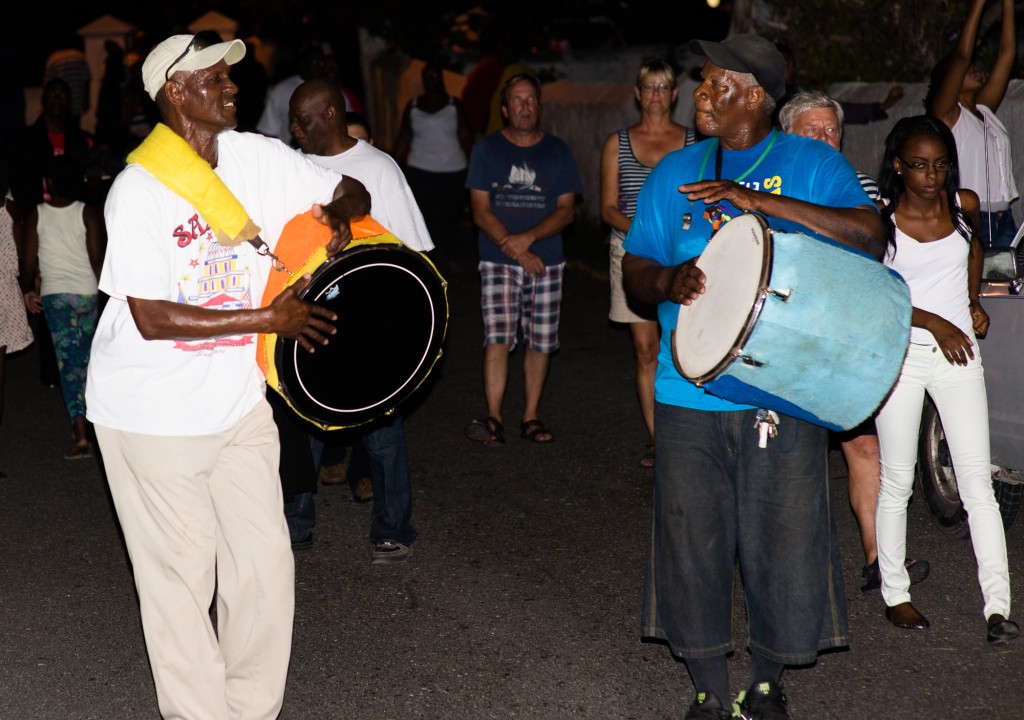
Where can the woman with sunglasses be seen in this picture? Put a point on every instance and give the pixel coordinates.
(933, 242)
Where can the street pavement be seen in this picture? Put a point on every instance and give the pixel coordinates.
(522, 597)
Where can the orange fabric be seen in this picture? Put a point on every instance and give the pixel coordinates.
(302, 241)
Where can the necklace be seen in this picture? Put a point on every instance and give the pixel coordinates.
(714, 213)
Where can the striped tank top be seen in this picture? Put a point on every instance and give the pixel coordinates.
(633, 173)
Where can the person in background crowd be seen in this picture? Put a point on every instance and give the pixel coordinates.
(626, 161)
(319, 126)
(63, 252)
(15, 334)
(433, 147)
(816, 115)
(966, 98)
(70, 65)
(275, 121)
(358, 127)
(28, 152)
(523, 184)
(933, 245)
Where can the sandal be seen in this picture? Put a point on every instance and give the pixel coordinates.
(79, 452)
(488, 431)
(535, 431)
(647, 461)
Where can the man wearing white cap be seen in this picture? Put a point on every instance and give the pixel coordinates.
(721, 494)
(188, 442)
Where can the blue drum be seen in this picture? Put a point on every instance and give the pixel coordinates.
(795, 324)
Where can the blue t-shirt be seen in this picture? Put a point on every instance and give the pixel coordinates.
(525, 184)
(796, 167)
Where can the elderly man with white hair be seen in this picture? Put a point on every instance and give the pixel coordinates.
(816, 115)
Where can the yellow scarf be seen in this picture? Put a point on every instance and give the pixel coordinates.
(173, 162)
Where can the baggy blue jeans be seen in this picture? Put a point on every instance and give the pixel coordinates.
(718, 497)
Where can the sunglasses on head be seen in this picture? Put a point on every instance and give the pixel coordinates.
(200, 41)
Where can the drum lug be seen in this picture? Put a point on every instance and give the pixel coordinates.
(782, 294)
(749, 360)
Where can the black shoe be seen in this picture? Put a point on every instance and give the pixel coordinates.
(304, 544)
(1000, 630)
(918, 570)
(707, 706)
(763, 701)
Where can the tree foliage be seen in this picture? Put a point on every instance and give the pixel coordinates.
(862, 40)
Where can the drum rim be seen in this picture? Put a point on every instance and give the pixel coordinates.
(747, 329)
(433, 349)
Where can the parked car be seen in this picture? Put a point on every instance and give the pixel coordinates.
(1002, 351)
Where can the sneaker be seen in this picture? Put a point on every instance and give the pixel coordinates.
(304, 544)
(389, 551)
(762, 701)
(707, 706)
(918, 570)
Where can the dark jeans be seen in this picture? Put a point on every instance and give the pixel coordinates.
(1003, 228)
(392, 484)
(718, 496)
(384, 444)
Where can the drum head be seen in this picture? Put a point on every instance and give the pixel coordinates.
(392, 313)
(737, 265)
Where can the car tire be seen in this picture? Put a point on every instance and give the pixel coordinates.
(938, 480)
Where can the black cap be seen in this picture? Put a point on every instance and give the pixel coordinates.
(748, 54)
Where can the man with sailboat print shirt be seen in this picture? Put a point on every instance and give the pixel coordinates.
(523, 184)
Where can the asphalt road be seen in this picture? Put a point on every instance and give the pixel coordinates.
(521, 599)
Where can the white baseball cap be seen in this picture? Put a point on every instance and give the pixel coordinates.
(179, 52)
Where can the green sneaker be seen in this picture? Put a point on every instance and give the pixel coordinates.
(761, 701)
(707, 706)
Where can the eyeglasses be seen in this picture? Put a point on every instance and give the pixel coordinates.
(200, 41)
(919, 167)
(650, 88)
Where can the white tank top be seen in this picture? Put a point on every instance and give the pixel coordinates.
(936, 273)
(993, 182)
(435, 140)
(63, 257)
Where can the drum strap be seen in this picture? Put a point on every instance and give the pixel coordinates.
(172, 161)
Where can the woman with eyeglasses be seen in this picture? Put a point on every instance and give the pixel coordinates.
(934, 244)
(628, 157)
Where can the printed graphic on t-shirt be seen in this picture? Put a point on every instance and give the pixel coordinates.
(521, 190)
(216, 277)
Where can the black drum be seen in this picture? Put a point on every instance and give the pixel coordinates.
(392, 309)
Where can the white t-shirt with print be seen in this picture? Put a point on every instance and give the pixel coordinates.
(160, 248)
(393, 204)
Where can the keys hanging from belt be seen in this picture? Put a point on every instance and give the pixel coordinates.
(766, 423)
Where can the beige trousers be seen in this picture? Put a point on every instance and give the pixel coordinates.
(203, 516)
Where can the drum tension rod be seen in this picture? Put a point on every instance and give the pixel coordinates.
(782, 295)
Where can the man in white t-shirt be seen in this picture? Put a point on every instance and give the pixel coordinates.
(318, 123)
(188, 443)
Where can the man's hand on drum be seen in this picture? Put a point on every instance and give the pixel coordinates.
(306, 323)
(351, 201)
(955, 345)
(685, 283)
(713, 191)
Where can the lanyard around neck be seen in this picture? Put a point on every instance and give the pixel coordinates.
(717, 146)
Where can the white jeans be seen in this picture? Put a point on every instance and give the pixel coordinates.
(959, 395)
(202, 516)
